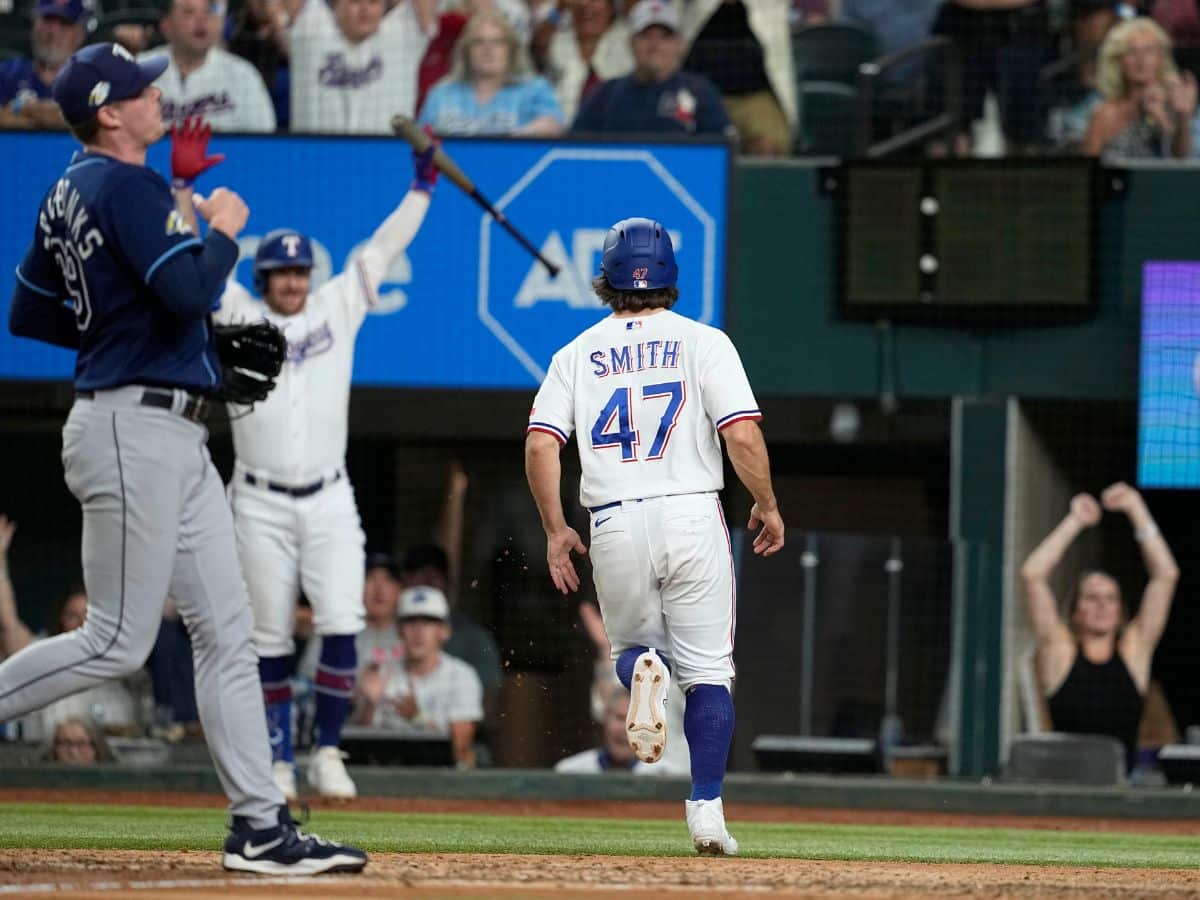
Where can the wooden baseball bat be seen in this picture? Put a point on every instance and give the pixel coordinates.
(407, 129)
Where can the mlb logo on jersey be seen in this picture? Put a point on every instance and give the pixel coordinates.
(633, 324)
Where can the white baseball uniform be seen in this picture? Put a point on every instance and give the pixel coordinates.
(646, 397)
(293, 506)
(226, 90)
(354, 88)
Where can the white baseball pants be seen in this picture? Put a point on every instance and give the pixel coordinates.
(663, 569)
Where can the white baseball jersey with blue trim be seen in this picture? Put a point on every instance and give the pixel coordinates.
(646, 396)
(296, 439)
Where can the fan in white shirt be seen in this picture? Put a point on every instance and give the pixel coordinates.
(201, 79)
(354, 62)
(429, 692)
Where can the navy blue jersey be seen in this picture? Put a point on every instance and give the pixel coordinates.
(686, 103)
(107, 234)
(18, 79)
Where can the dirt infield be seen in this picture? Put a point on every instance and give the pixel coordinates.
(196, 875)
(193, 875)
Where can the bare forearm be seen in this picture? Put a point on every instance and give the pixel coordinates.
(183, 204)
(1157, 556)
(1049, 553)
(542, 126)
(14, 635)
(748, 453)
(1181, 146)
(543, 469)
(450, 531)
(462, 741)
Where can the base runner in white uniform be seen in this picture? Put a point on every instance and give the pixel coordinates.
(647, 392)
(295, 518)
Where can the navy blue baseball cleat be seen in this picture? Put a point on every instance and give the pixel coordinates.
(286, 850)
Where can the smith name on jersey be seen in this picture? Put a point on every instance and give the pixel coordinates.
(647, 411)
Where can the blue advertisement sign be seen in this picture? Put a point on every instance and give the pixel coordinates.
(465, 305)
(1169, 394)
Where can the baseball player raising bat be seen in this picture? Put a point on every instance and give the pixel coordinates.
(141, 285)
(647, 392)
(294, 512)
(422, 141)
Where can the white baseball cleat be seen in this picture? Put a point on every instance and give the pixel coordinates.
(327, 773)
(706, 822)
(283, 773)
(646, 722)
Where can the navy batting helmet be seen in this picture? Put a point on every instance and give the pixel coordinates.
(638, 256)
(280, 249)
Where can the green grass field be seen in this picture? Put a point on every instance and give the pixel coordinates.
(59, 826)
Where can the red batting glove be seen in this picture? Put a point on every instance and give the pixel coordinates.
(425, 173)
(189, 149)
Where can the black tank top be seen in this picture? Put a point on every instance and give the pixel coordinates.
(1099, 699)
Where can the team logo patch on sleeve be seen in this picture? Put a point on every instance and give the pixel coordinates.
(176, 224)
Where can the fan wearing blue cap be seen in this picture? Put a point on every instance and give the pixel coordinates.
(59, 28)
(115, 273)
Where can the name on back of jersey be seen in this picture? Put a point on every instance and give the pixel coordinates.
(638, 357)
(65, 205)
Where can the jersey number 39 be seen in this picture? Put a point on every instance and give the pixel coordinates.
(615, 427)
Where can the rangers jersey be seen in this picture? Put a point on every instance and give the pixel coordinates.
(226, 90)
(354, 88)
(647, 396)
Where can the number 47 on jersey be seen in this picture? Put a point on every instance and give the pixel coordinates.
(615, 427)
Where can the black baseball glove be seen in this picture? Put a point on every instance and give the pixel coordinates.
(251, 356)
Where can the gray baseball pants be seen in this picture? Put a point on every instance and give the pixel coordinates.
(156, 522)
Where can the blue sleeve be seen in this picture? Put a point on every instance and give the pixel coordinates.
(8, 82)
(35, 314)
(147, 228)
(541, 101)
(39, 309)
(590, 117)
(431, 110)
(711, 117)
(190, 283)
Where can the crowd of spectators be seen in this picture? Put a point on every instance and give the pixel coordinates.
(1099, 77)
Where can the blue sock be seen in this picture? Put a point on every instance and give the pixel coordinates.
(273, 671)
(625, 661)
(335, 686)
(708, 724)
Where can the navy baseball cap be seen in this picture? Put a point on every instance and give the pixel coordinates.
(99, 74)
(67, 10)
(381, 560)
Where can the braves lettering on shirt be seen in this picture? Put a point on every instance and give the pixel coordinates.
(337, 73)
(635, 358)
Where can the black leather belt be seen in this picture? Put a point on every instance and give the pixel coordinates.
(304, 490)
(194, 410)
